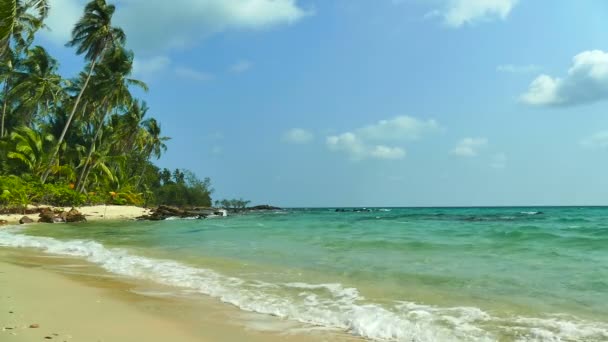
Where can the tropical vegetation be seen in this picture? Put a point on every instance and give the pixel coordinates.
(84, 139)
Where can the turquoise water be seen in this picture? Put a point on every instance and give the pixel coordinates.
(406, 274)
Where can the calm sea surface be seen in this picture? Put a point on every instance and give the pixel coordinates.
(404, 274)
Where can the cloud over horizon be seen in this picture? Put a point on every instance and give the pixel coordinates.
(586, 82)
(372, 141)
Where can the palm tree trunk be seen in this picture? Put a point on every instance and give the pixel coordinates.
(86, 176)
(143, 169)
(4, 108)
(81, 179)
(67, 124)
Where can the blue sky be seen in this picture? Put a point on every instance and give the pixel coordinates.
(375, 102)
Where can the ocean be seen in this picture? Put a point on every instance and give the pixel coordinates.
(388, 274)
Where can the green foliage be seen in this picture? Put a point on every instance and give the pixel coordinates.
(19, 192)
(83, 140)
(183, 188)
(233, 204)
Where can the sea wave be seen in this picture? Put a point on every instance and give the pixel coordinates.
(329, 305)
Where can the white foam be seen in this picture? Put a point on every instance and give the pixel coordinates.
(529, 212)
(330, 305)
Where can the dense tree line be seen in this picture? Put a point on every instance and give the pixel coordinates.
(84, 139)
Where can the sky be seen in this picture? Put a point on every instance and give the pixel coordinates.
(311, 103)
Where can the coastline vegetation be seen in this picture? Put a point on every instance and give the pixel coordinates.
(81, 140)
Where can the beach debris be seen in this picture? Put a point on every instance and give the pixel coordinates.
(34, 326)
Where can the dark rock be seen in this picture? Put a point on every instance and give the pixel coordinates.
(34, 326)
(264, 207)
(3, 222)
(163, 212)
(25, 220)
(74, 216)
(46, 216)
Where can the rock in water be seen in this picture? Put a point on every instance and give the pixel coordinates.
(3, 222)
(25, 220)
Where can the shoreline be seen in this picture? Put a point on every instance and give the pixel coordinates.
(93, 213)
(103, 307)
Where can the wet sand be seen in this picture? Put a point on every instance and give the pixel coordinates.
(71, 300)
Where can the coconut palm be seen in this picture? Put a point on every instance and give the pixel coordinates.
(8, 13)
(154, 145)
(112, 84)
(40, 86)
(93, 36)
(19, 20)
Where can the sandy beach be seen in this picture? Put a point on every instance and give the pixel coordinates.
(92, 213)
(45, 297)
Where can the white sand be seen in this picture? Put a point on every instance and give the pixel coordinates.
(92, 213)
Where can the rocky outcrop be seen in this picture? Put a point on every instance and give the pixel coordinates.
(164, 212)
(25, 220)
(46, 216)
(264, 207)
(74, 216)
(49, 216)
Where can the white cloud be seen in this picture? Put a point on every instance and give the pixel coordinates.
(371, 141)
(298, 136)
(499, 161)
(153, 25)
(597, 140)
(241, 67)
(457, 13)
(585, 82)
(399, 128)
(192, 74)
(469, 147)
(63, 14)
(517, 69)
(150, 66)
(385, 152)
(357, 149)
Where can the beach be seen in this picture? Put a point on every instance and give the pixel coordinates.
(44, 298)
(92, 213)
(379, 274)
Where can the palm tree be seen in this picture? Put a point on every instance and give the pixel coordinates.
(30, 148)
(112, 84)
(93, 36)
(39, 85)
(19, 20)
(9, 67)
(155, 144)
(8, 12)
